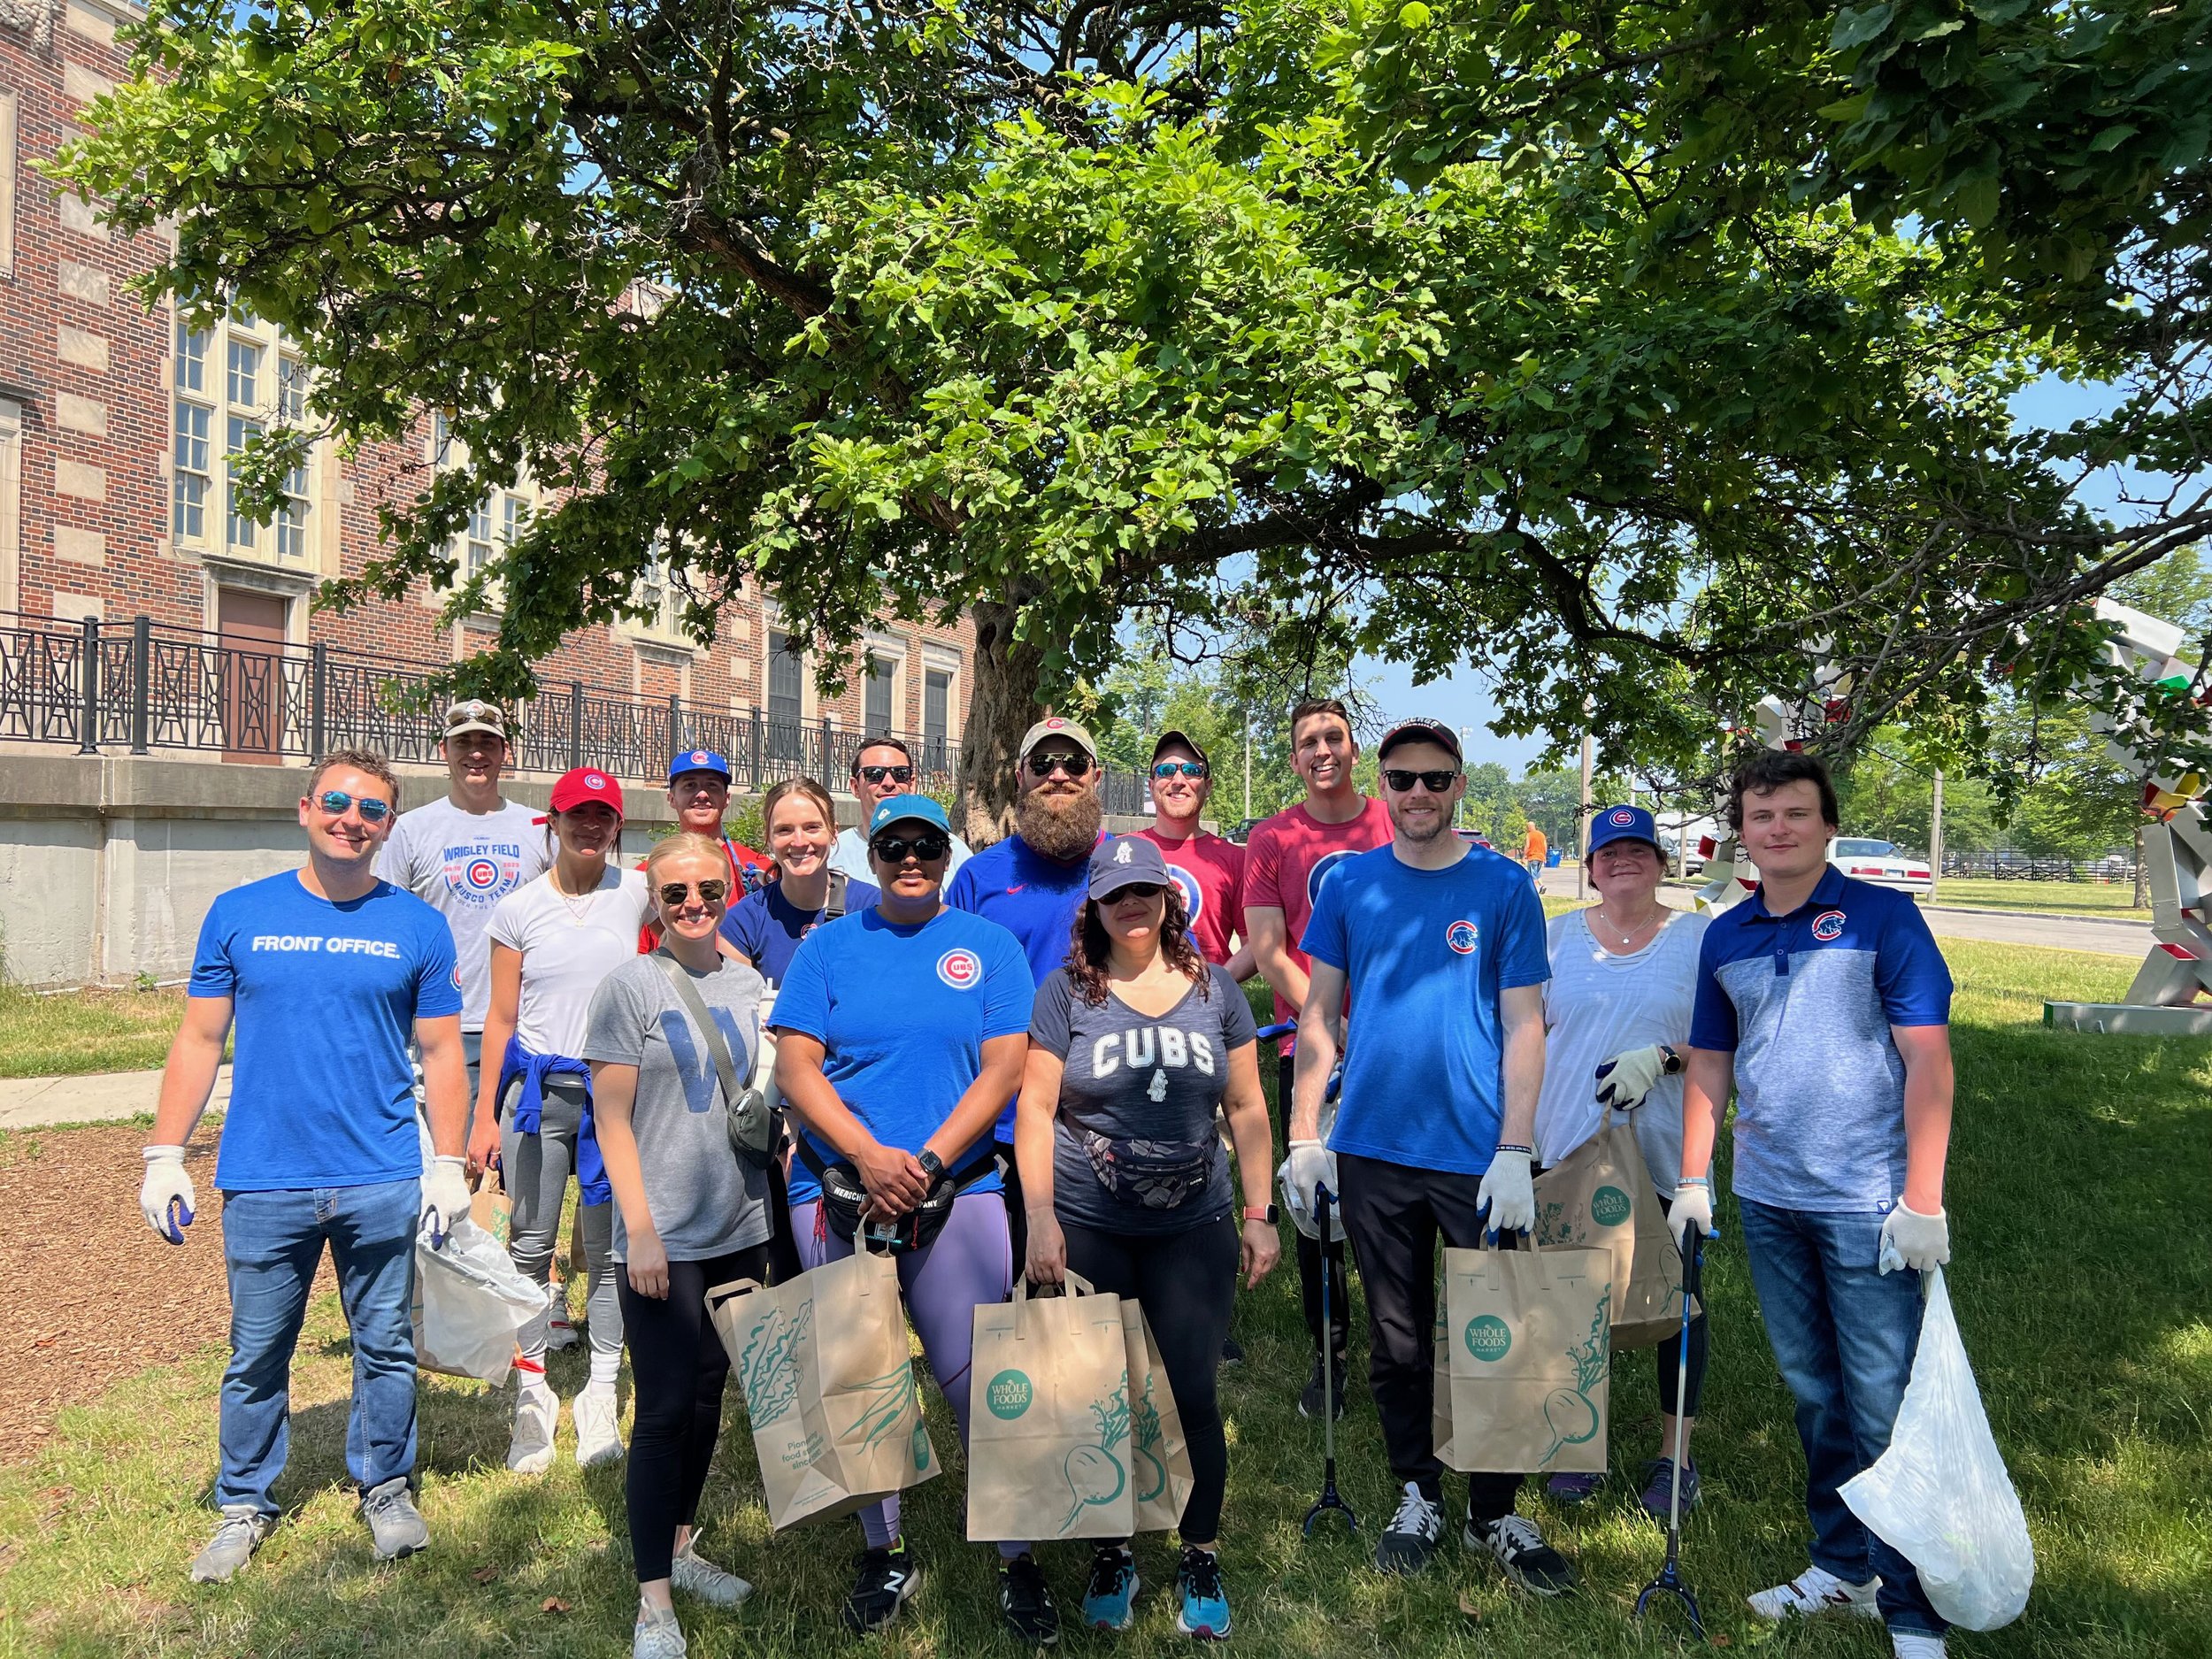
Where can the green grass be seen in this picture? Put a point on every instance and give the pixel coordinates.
(2077, 898)
(71, 1032)
(2081, 1280)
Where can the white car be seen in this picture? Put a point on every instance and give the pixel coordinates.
(1881, 863)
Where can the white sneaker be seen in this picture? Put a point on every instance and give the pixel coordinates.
(692, 1574)
(1908, 1645)
(657, 1635)
(1815, 1590)
(537, 1414)
(596, 1438)
(560, 1331)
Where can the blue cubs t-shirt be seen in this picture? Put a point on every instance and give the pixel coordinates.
(325, 997)
(1034, 898)
(1426, 953)
(903, 1014)
(768, 927)
(1805, 1003)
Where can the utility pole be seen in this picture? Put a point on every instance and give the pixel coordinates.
(1247, 766)
(1935, 839)
(1582, 822)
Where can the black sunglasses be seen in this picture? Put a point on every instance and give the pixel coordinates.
(1076, 766)
(1136, 890)
(1187, 768)
(1401, 782)
(713, 890)
(374, 810)
(895, 850)
(897, 774)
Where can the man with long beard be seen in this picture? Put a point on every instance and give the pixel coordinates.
(1033, 882)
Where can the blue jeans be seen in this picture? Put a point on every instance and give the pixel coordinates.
(1844, 1338)
(272, 1244)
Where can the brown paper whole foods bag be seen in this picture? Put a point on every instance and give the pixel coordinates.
(1159, 1458)
(1441, 1398)
(1528, 1336)
(1048, 1418)
(490, 1207)
(836, 1412)
(1601, 1194)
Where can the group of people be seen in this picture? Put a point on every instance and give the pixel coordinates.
(1037, 1059)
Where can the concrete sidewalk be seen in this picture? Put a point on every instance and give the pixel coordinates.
(38, 1103)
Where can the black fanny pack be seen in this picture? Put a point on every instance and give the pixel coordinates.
(1149, 1174)
(844, 1197)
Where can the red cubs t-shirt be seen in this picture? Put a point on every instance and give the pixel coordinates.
(1209, 871)
(1287, 859)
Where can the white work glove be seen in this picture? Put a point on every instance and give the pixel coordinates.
(1508, 1192)
(445, 1198)
(1309, 1167)
(1693, 1203)
(1624, 1080)
(1911, 1239)
(166, 1197)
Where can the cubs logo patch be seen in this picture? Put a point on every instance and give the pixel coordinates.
(1621, 815)
(1321, 868)
(1194, 899)
(456, 976)
(700, 757)
(1828, 926)
(960, 968)
(1462, 936)
(593, 781)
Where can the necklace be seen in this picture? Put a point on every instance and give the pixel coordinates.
(578, 908)
(1628, 933)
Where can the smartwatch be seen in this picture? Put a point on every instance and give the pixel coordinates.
(1262, 1212)
(932, 1164)
(1671, 1063)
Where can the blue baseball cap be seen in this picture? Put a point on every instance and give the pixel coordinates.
(1624, 823)
(1122, 860)
(891, 810)
(697, 760)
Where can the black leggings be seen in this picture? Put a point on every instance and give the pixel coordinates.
(1186, 1282)
(678, 1366)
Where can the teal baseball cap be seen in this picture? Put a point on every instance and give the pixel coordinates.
(896, 806)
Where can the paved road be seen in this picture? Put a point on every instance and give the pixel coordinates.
(2116, 937)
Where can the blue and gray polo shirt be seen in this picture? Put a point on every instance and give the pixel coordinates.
(1805, 1003)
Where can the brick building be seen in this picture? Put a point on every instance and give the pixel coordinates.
(114, 425)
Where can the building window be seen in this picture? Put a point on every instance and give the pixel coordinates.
(291, 524)
(238, 531)
(876, 695)
(936, 717)
(191, 358)
(228, 380)
(787, 679)
(478, 552)
(291, 388)
(441, 440)
(189, 519)
(7, 184)
(242, 375)
(515, 518)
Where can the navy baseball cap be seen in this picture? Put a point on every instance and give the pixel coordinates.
(890, 810)
(1622, 823)
(698, 760)
(1124, 860)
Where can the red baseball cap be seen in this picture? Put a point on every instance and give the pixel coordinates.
(586, 783)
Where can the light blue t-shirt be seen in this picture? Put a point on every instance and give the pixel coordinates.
(324, 998)
(1426, 953)
(903, 1014)
(1804, 1003)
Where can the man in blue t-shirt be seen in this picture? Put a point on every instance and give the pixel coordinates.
(1031, 883)
(1823, 1004)
(327, 972)
(1441, 948)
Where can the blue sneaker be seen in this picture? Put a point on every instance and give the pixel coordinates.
(1109, 1601)
(1574, 1488)
(1660, 1488)
(1205, 1610)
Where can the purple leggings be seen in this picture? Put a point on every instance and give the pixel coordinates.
(968, 1262)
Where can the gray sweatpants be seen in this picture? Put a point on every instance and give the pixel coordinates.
(537, 1169)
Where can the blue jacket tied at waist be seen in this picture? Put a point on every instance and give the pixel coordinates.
(592, 1185)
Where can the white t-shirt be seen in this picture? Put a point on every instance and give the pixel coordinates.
(463, 864)
(1597, 1004)
(850, 855)
(568, 947)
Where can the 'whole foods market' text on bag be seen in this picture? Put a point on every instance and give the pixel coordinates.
(1048, 1419)
(829, 1386)
(1601, 1195)
(1529, 1337)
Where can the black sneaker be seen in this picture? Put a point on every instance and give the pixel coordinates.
(887, 1580)
(1410, 1538)
(1521, 1550)
(1309, 1400)
(1025, 1601)
(1232, 1351)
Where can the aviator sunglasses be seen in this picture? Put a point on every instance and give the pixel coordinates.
(713, 890)
(1182, 768)
(373, 809)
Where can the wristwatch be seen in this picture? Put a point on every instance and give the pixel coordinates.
(932, 1164)
(1671, 1061)
(1262, 1212)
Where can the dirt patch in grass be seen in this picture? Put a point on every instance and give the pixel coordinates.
(93, 1296)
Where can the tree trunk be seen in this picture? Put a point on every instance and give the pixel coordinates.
(1001, 705)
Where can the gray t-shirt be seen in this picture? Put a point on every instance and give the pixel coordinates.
(463, 864)
(706, 1201)
(1137, 1104)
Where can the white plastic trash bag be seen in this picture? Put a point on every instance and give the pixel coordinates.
(473, 1302)
(1940, 1495)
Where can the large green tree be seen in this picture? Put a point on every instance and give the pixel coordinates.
(1468, 329)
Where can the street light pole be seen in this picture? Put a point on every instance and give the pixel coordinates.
(1935, 839)
(1582, 821)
